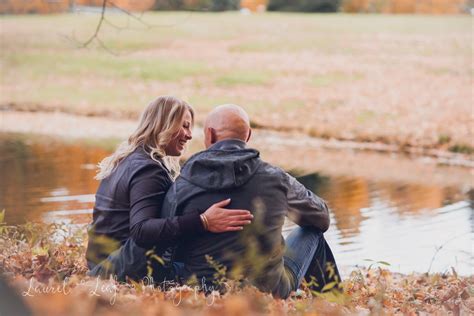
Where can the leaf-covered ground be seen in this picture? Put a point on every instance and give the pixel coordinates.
(44, 264)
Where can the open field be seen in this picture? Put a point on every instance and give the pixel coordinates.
(403, 80)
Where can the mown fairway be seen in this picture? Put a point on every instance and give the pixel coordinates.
(399, 79)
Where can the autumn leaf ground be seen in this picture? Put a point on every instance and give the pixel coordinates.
(45, 266)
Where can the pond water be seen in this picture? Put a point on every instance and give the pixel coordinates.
(410, 226)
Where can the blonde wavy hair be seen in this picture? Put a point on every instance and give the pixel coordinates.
(159, 123)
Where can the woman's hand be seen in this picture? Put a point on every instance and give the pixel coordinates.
(221, 220)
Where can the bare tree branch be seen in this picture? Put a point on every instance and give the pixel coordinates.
(99, 25)
(130, 14)
(104, 20)
(118, 27)
(104, 47)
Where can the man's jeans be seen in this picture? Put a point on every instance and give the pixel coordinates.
(308, 255)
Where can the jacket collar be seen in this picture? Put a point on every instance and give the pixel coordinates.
(229, 144)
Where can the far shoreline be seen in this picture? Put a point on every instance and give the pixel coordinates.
(445, 156)
(289, 150)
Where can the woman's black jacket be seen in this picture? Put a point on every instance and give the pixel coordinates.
(128, 205)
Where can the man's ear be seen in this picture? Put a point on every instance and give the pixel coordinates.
(211, 135)
(250, 134)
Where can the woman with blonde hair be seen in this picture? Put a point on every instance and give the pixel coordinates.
(127, 233)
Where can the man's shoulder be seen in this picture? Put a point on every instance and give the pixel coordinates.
(269, 169)
(180, 187)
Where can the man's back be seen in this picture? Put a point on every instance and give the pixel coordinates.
(229, 170)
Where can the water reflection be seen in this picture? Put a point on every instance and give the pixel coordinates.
(35, 172)
(352, 198)
(397, 222)
(402, 223)
(411, 199)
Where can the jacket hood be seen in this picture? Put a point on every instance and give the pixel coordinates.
(226, 164)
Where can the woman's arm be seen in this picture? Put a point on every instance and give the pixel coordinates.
(148, 188)
(219, 219)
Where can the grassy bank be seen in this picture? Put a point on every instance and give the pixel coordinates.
(45, 265)
(403, 80)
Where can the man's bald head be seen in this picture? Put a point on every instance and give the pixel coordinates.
(225, 122)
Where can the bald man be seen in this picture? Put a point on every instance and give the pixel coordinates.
(226, 122)
(227, 169)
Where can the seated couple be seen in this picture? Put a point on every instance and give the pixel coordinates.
(227, 206)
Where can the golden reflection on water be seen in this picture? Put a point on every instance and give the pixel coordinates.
(346, 197)
(413, 198)
(35, 170)
(349, 196)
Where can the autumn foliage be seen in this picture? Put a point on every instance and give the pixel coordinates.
(33, 6)
(352, 6)
(45, 266)
(404, 6)
(131, 5)
(57, 6)
(254, 5)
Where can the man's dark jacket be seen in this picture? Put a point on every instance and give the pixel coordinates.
(230, 170)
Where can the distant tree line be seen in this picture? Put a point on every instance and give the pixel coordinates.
(272, 5)
(197, 5)
(304, 5)
(352, 6)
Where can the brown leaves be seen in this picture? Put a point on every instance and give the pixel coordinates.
(414, 293)
(32, 250)
(53, 275)
(410, 295)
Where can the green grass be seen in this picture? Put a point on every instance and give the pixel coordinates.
(333, 103)
(81, 98)
(462, 148)
(335, 77)
(365, 116)
(243, 78)
(444, 139)
(37, 64)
